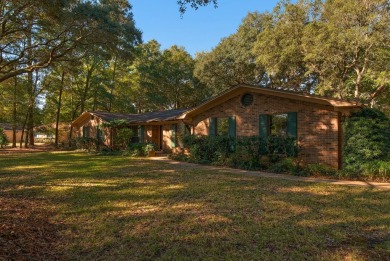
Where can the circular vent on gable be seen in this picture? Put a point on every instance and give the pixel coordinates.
(247, 99)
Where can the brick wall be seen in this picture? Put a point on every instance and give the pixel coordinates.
(318, 125)
(92, 124)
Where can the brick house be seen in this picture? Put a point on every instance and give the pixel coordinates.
(241, 111)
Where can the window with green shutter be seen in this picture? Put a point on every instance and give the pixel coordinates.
(212, 127)
(292, 124)
(264, 129)
(264, 125)
(232, 126)
(173, 135)
(142, 133)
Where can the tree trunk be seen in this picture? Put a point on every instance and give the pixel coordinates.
(59, 107)
(14, 114)
(86, 89)
(112, 86)
(23, 128)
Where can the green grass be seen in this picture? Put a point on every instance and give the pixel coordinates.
(93, 207)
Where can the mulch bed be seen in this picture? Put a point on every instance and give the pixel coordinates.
(26, 231)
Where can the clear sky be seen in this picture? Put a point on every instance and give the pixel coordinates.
(198, 30)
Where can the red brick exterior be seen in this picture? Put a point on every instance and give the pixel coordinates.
(318, 125)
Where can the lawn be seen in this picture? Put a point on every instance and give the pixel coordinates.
(88, 207)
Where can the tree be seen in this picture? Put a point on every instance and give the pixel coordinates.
(279, 47)
(35, 34)
(349, 48)
(194, 4)
(233, 61)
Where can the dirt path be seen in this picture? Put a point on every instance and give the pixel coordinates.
(378, 185)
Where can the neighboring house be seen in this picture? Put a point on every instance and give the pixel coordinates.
(9, 132)
(241, 111)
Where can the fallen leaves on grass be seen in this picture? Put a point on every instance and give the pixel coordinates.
(26, 231)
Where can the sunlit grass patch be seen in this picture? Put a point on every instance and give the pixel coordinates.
(132, 208)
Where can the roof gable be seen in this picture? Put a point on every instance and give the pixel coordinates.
(337, 104)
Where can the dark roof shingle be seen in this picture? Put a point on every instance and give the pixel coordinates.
(156, 116)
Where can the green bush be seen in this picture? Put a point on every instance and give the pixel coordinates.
(243, 152)
(84, 143)
(209, 150)
(122, 138)
(140, 149)
(373, 170)
(319, 170)
(287, 165)
(3, 138)
(367, 137)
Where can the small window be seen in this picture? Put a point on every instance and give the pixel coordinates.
(222, 126)
(247, 99)
(278, 124)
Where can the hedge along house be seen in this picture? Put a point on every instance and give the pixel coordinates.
(244, 110)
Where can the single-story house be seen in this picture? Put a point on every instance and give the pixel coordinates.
(9, 131)
(241, 111)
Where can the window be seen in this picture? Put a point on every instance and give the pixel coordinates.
(278, 124)
(222, 127)
(86, 132)
(247, 99)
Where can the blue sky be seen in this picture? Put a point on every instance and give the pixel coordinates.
(198, 30)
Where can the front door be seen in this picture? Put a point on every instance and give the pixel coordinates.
(156, 133)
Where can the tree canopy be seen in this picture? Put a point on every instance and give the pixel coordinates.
(59, 58)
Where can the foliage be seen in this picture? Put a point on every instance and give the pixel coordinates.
(367, 137)
(165, 78)
(84, 143)
(338, 48)
(53, 30)
(243, 152)
(320, 170)
(206, 149)
(232, 61)
(3, 139)
(372, 170)
(276, 155)
(141, 149)
(122, 138)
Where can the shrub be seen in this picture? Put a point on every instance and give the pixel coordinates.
(374, 170)
(85, 143)
(367, 137)
(242, 152)
(3, 138)
(140, 149)
(287, 165)
(122, 138)
(319, 170)
(209, 149)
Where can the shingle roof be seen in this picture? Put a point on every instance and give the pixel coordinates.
(8, 126)
(140, 118)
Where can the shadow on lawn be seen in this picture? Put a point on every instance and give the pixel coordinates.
(116, 208)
